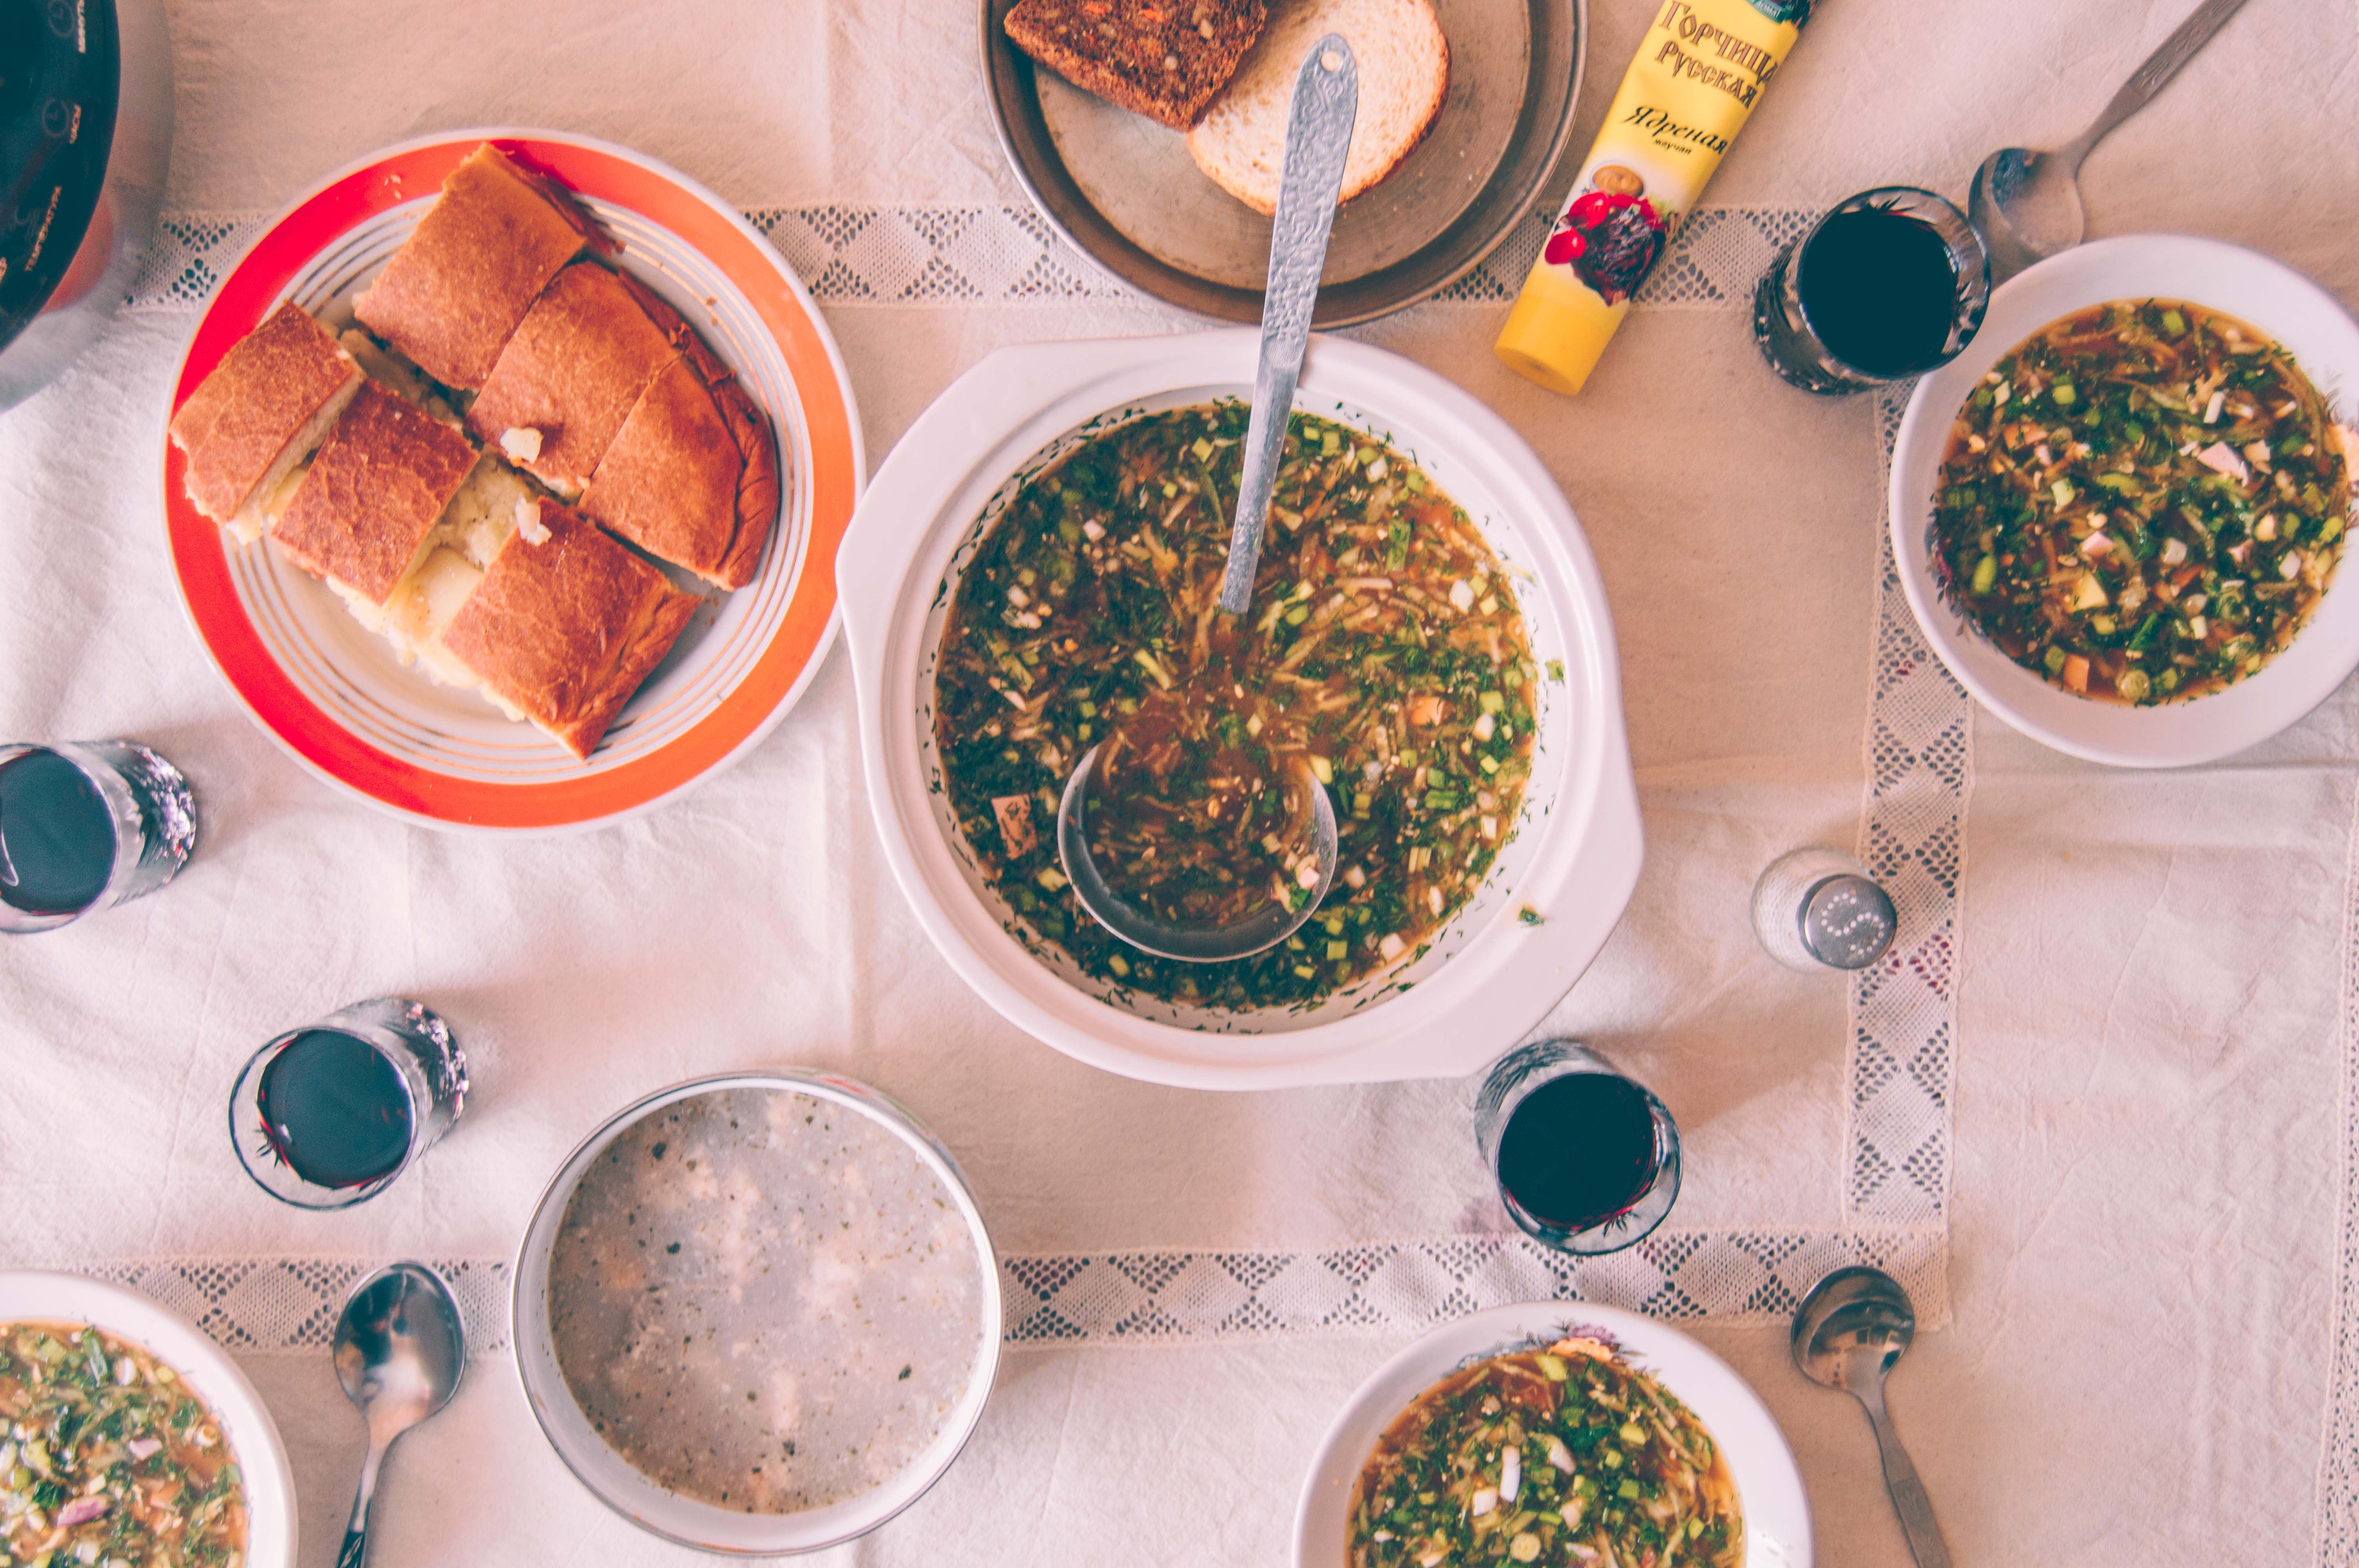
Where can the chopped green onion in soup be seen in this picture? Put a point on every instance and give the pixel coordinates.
(1383, 648)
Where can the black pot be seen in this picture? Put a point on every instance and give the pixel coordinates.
(85, 141)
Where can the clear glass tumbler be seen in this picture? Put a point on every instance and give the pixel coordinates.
(1587, 1160)
(331, 1114)
(86, 826)
(1890, 284)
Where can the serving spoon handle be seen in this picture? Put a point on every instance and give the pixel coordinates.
(1909, 1498)
(1318, 135)
(2151, 76)
(354, 1551)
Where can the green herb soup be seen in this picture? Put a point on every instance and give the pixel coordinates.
(106, 1458)
(1383, 648)
(2142, 503)
(1562, 1455)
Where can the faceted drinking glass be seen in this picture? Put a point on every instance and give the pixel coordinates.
(331, 1114)
(86, 826)
(1782, 302)
(1586, 1159)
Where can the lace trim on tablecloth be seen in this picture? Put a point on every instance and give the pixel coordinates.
(1904, 1010)
(2336, 1534)
(285, 1306)
(853, 254)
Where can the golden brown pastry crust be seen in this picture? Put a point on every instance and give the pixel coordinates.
(454, 292)
(270, 385)
(692, 476)
(574, 370)
(567, 629)
(373, 494)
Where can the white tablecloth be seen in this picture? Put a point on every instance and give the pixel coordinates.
(2137, 1210)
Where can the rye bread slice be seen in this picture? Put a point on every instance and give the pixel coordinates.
(1164, 58)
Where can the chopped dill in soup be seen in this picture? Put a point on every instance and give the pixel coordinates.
(2142, 503)
(1383, 648)
(1562, 1455)
(106, 1457)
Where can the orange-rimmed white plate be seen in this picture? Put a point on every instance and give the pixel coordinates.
(338, 700)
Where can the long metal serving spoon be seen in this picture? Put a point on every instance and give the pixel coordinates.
(399, 1353)
(1849, 1332)
(2027, 204)
(1318, 135)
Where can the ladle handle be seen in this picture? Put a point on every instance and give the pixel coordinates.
(2154, 75)
(1909, 1499)
(1318, 135)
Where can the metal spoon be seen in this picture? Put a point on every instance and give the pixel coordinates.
(1849, 1332)
(1318, 135)
(2027, 204)
(399, 1353)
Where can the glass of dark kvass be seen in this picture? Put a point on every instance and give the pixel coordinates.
(84, 828)
(1890, 284)
(1587, 1160)
(329, 1115)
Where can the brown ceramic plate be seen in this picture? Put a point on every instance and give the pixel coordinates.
(1123, 191)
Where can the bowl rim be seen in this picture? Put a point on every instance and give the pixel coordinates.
(984, 425)
(44, 1295)
(1729, 1407)
(529, 1276)
(2182, 734)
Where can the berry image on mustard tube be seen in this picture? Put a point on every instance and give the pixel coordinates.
(1700, 67)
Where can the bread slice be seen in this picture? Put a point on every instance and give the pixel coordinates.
(563, 629)
(454, 293)
(1404, 68)
(1163, 58)
(692, 476)
(362, 516)
(263, 411)
(570, 376)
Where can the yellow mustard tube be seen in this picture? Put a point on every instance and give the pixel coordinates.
(1702, 67)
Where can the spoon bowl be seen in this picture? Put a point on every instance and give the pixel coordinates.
(2027, 204)
(1196, 944)
(399, 1353)
(1853, 1328)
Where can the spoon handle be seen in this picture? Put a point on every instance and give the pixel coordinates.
(2159, 67)
(1909, 1499)
(354, 1551)
(1318, 135)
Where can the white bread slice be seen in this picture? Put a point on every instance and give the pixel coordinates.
(1404, 67)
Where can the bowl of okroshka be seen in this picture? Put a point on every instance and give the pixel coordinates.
(1041, 553)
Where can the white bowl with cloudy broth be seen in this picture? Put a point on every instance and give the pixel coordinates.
(759, 1312)
(1510, 952)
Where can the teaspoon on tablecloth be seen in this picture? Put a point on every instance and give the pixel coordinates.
(2027, 204)
(1318, 135)
(399, 1353)
(1849, 1333)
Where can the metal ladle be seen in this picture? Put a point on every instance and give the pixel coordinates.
(1849, 1333)
(1318, 135)
(399, 1353)
(2027, 204)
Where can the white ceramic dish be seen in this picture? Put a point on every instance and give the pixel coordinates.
(1768, 1483)
(1571, 859)
(207, 1370)
(612, 1478)
(2324, 340)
